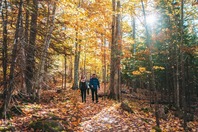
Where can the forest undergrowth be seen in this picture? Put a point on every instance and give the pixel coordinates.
(62, 110)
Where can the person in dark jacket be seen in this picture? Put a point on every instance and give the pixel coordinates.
(94, 85)
(83, 88)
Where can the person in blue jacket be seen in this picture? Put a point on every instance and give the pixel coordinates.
(94, 85)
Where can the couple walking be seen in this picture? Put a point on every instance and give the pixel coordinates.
(94, 85)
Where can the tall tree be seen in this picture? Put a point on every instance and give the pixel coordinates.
(77, 52)
(30, 54)
(4, 14)
(117, 77)
(113, 56)
(65, 68)
(76, 61)
(50, 28)
(104, 70)
(26, 45)
(115, 52)
(17, 39)
(183, 85)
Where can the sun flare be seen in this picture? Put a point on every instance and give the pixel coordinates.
(151, 19)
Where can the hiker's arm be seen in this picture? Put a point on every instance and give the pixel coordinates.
(90, 83)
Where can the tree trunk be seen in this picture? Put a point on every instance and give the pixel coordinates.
(104, 64)
(133, 34)
(182, 69)
(117, 77)
(76, 57)
(71, 69)
(85, 57)
(8, 93)
(26, 38)
(177, 79)
(133, 24)
(115, 52)
(76, 63)
(41, 70)
(4, 46)
(112, 94)
(65, 67)
(30, 56)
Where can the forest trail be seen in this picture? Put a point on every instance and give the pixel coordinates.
(108, 116)
(67, 111)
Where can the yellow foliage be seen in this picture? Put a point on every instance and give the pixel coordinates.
(158, 68)
(136, 73)
(142, 69)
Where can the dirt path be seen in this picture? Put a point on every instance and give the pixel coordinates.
(108, 116)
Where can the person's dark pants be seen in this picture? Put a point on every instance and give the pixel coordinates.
(94, 91)
(83, 95)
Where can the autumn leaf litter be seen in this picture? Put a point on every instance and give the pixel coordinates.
(106, 115)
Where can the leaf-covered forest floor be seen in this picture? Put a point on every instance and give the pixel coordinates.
(64, 111)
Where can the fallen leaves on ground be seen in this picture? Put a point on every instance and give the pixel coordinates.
(67, 109)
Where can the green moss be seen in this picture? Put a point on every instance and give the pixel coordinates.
(47, 125)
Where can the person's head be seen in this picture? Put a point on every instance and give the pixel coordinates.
(83, 77)
(93, 75)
